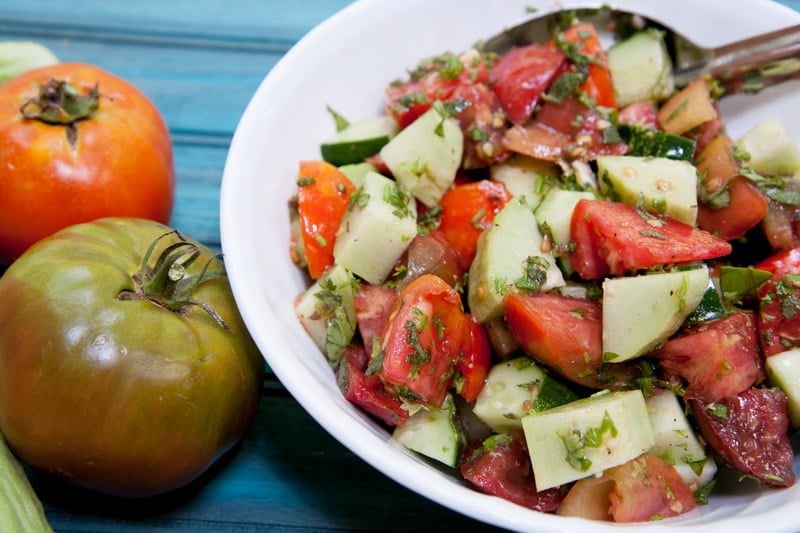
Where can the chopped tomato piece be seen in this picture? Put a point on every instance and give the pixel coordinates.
(367, 391)
(643, 489)
(719, 358)
(521, 75)
(466, 211)
(598, 84)
(689, 108)
(536, 140)
(747, 208)
(432, 254)
(483, 125)
(750, 432)
(474, 361)
(778, 316)
(436, 79)
(501, 467)
(615, 238)
(565, 335)
(639, 113)
(707, 132)
(373, 304)
(716, 165)
(322, 199)
(422, 340)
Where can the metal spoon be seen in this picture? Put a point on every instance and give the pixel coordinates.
(747, 65)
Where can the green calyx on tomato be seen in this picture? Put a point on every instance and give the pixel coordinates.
(60, 102)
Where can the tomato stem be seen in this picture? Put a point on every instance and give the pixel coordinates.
(59, 102)
(168, 283)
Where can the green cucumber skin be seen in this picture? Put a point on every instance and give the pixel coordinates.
(20, 508)
(647, 142)
(346, 153)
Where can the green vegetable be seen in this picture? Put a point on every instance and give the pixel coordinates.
(17, 57)
(648, 142)
(738, 283)
(20, 509)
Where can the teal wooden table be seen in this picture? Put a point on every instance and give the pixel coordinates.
(200, 61)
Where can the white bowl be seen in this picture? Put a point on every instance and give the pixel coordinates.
(346, 62)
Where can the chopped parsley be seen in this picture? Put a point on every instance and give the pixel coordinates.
(398, 198)
(420, 355)
(341, 122)
(534, 276)
(429, 219)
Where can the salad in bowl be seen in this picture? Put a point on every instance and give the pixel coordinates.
(557, 280)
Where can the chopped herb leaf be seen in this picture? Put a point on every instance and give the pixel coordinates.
(534, 276)
(682, 107)
(564, 86)
(305, 182)
(341, 122)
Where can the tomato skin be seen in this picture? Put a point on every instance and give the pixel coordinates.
(121, 164)
(778, 329)
(598, 84)
(613, 238)
(564, 334)
(475, 361)
(367, 391)
(719, 358)
(521, 75)
(373, 305)
(460, 207)
(430, 310)
(641, 113)
(119, 395)
(747, 208)
(322, 199)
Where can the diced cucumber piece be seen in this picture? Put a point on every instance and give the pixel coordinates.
(327, 311)
(665, 185)
(432, 432)
(771, 149)
(647, 142)
(506, 254)
(358, 140)
(587, 436)
(710, 307)
(554, 214)
(525, 176)
(641, 312)
(641, 68)
(697, 475)
(377, 228)
(676, 441)
(783, 370)
(513, 389)
(425, 156)
(356, 172)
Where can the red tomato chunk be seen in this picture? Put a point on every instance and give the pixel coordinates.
(779, 303)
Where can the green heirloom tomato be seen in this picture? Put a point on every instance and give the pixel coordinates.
(126, 379)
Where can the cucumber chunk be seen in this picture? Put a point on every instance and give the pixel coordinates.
(675, 439)
(377, 228)
(327, 311)
(425, 156)
(432, 432)
(585, 437)
(783, 370)
(641, 312)
(525, 176)
(772, 150)
(505, 252)
(648, 142)
(554, 214)
(710, 307)
(513, 389)
(641, 68)
(665, 185)
(356, 172)
(358, 141)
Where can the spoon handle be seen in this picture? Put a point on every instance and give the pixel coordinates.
(751, 64)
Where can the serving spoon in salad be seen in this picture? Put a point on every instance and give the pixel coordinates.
(748, 65)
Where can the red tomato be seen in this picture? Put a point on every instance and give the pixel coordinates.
(436, 80)
(648, 488)
(750, 432)
(640, 113)
(615, 238)
(115, 161)
(521, 75)
(467, 210)
(422, 340)
(719, 358)
(747, 208)
(367, 391)
(644, 489)
(432, 254)
(502, 467)
(474, 362)
(373, 305)
(483, 125)
(598, 84)
(322, 199)
(778, 316)
(564, 334)
(536, 140)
